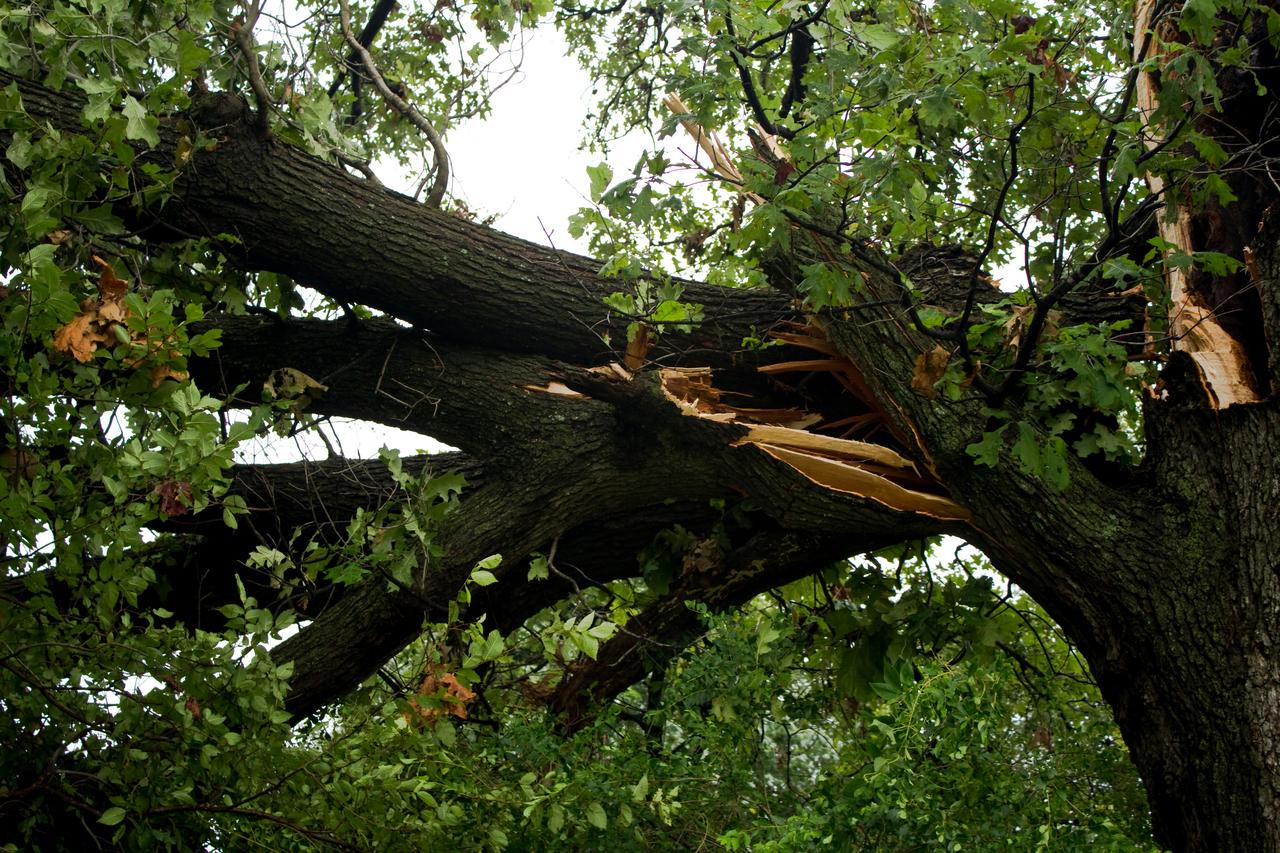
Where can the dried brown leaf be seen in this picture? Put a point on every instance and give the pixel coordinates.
(110, 286)
(929, 369)
(1017, 324)
(175, 497)
(161, 372)
(79, 338)
(113, 311)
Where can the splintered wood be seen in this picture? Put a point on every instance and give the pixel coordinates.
(690, 388)
(721, 163)
(811, 337)
(1219, 358)
(844, 465)
(857, 479)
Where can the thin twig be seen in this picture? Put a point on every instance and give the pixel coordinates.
(361, 166)
(242, 31)
(402, 107)
(962, 325)
(377, 18)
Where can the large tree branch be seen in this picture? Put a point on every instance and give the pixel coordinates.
(377, 370)
(291, 213)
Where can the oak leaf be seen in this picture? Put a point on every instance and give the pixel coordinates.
(1017, 323)
(455, 698)
(109, 285)
(161, 372)
(929, 369)
(80, 337)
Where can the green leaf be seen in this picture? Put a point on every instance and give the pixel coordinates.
(596, 816)
(936, 109)
(483, 577)
(112, 816)
(987, 451)
(600, 176)
(190, 53)
(139, 125)
(1026, 449)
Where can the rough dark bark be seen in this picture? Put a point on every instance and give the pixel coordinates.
(1167, 576)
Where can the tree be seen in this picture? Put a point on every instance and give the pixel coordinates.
(845, 380)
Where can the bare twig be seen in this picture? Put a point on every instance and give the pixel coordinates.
(242, 32)
(962, 325)
(361, 166)
(403, 108)
(377, 18)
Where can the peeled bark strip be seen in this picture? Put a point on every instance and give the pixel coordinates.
(1226, 375)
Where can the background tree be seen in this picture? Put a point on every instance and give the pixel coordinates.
(191, 211)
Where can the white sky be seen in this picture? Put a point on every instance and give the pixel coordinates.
(523, 162)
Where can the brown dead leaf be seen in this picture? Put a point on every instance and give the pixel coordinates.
(58, 236)
(80, 337)
(175, 497)
(929, 369)
(161, 372)
(112, 311)
(100, 319)
(455, 698)
(1017, 324)
(704, 556)
(109, 285)
(193, 706)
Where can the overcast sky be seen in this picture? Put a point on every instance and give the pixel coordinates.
(523, 161)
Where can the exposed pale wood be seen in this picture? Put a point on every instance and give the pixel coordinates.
(1193, 326)
(721, 162)
(833, 365)
(838, 448)
(557, 388)
(612, 369)
(800, 339)
(692, 391)
(849, 478)
(638, 348)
